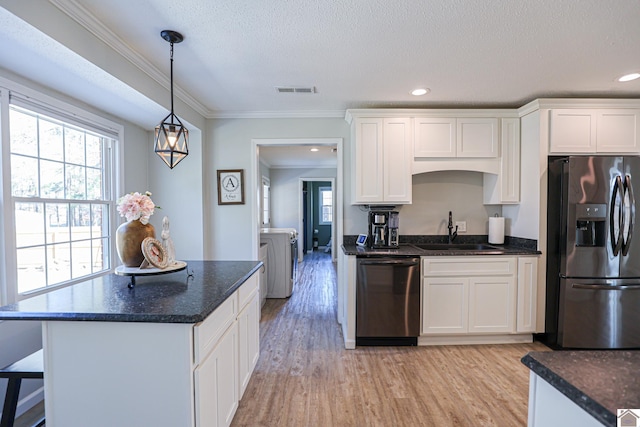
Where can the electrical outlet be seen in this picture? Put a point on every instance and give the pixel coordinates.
(462, 226)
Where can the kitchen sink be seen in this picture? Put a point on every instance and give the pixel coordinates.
(457, 247)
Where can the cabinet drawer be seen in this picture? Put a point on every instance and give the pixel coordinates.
(246, 291)
(207, 333)
(465, 266)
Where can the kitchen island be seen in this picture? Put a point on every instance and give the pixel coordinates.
(582, 388)
(176, 349)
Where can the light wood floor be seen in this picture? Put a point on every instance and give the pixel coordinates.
(305, 377)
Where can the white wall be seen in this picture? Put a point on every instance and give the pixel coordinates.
(178, 192)
(285, 193)
(228, 231)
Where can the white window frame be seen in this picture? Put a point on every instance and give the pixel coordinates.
(265, 202)
(57, 109)
(320, 205)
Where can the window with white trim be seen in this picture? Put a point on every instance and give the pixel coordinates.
(325, 205)
(266, 196)
(61, 198)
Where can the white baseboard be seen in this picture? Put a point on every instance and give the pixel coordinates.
(30, 400)
(475, 339)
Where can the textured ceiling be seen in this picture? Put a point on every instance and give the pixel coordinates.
(371, 53)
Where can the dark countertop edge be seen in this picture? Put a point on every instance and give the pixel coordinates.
(593, 408)
(200, 317)
(406, 249)
(134, 318)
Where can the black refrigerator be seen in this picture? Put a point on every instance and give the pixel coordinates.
(593, 253)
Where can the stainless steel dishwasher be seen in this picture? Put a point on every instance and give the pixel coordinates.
(388, 301)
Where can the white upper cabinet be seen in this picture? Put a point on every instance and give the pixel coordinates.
(477, 137)
(589, 131)
(382, 159)
(504, 188)
(434, 137)
(468, 137)
(388, 146)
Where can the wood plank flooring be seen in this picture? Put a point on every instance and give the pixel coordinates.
(305, 377)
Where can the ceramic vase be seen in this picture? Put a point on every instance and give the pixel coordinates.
(129, 237)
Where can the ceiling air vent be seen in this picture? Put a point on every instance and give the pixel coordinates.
(295, 89)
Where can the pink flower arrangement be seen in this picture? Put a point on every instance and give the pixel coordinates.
(136, 206)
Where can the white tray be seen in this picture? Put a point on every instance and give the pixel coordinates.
(121, 270)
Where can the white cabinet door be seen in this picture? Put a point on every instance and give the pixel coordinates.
(476, 137)
(216, 382)
(382, 172)
(527, 294)
(369, 162)
(505, 188)
(249, 342)
(590, 131)
(471, 137)
(434, 137)
(572, 131)
(492, 304)
(445, 305)
(397, 161)
(617, 131)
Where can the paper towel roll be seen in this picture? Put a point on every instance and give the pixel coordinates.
(496, 230)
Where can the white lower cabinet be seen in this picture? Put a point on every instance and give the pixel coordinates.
(226, 363)
(480, 295)
(527, 294)
(492, 304)
(249, 344)
(445, 304)
(216, 382)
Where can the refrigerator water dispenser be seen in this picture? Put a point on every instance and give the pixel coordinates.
(590, 224)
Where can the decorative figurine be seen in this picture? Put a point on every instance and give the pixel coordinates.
(167, 243)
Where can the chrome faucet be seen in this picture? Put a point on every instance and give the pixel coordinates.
(454, 234)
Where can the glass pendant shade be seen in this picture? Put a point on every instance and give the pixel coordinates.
(171, 140)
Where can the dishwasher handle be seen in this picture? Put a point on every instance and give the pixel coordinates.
(411, 262)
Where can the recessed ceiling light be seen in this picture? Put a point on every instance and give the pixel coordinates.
(314, 150)
(629, 77)
(419, 92)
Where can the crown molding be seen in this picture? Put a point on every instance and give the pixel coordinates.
(295, 114)
(88, 21)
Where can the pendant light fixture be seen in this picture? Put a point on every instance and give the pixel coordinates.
(171, 137)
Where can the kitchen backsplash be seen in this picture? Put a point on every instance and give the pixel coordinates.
(437, 193)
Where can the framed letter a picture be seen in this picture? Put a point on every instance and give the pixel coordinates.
(231, 187)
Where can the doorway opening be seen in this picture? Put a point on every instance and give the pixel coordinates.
(316, 216)
(286, 178)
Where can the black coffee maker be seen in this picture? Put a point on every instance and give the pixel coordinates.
(383, 229)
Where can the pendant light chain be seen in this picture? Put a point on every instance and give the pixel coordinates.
(171, 74)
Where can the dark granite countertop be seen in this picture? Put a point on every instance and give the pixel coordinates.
(408, 250)
(600, 382)
(168, 298)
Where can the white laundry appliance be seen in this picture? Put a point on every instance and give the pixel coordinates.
(282, 260)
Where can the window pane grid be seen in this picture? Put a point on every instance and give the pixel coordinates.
(326, 205)
(59, 186)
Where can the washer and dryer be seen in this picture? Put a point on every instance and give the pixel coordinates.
(282, 260)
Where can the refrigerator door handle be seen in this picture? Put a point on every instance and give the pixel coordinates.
(627, 218)
(615, 216)
(605, 287)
